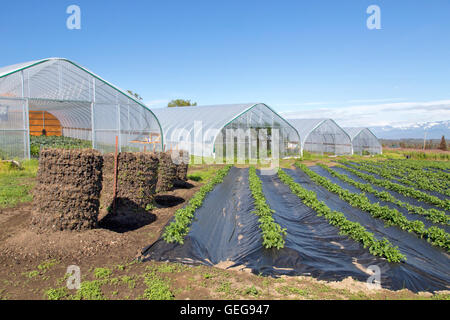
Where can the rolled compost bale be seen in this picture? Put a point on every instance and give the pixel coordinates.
(167, 172)
(137, 177)
(67, 191)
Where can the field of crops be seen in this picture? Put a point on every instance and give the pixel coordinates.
(330, 221)
(60, 142)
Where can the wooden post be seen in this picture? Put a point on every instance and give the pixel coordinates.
(116, 166)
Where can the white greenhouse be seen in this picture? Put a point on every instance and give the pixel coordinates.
(323, 136)
(238, 131)
(84, 105)
(364, 141)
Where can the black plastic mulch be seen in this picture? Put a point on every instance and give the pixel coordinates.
(395, 194)
(427, 267)
(374, 199)
(225, 229)
(431, 193)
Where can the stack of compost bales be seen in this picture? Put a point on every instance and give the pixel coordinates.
(182, 165)
(66, 196)
(167, 172)
(137, 177)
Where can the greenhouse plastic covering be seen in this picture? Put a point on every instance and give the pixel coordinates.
(363, 140)
(87, 107)
(322, 136)
(223, 131)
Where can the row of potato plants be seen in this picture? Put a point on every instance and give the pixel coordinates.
(354, 230)
(179, 227)
(419, 167)
(405, 170)
(440, 165)
(272, 233)
(412, 169)
(406, 191)
(392, 217)
(413, 180)
(433, 215)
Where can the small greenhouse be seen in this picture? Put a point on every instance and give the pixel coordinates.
(73, 102)
(364, 141)
(322, 136)
(238, 131)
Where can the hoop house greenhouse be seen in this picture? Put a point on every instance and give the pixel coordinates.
(364, 141)
(225, 131)
(84, 105)
(322, 136)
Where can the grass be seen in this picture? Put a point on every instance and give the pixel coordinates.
(16, 183)
(57, 294)
(89, 290)
(46, 265)
(419, 155)
(202, 174)
(251, 291)
(291, 290)
(161, 281)
(157, 288)
(102, 273)
(31, 274)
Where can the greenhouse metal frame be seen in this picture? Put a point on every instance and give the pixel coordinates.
(87, 106)
(364, 141)
(206, 131)
(323, 136)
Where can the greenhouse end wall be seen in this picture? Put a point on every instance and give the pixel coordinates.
(258, 133)
(14, 133)
(322, 136)
(364, 141)
(216, 132)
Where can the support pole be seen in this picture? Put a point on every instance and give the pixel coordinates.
(92, 114)
(116, 166)
(26, 120)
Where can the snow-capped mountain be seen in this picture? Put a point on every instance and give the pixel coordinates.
(434, 130)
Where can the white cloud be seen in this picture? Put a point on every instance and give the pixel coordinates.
(393, 113)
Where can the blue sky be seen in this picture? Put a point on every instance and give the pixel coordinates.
(297, 56)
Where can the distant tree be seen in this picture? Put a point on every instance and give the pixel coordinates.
(443, 144)
(181, 103)
(134, 95)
